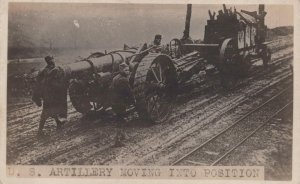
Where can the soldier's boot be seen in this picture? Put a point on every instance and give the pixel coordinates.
(41, 126)
(118, 142)
(63, 120)
(60, 122)
(124, 136)
(40, 133)
(59, 126)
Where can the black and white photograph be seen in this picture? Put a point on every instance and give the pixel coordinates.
(151, 85)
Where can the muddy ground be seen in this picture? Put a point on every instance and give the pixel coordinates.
(90, 140)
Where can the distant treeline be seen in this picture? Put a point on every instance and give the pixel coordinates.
(31, 52)
(280, 31)
(23, 52)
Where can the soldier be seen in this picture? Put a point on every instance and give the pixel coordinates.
(122, 97)
(157, 40)
(156, 44)
(51, 93)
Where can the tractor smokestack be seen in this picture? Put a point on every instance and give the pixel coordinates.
(261, 9)
(262, 28)
(262, 14)
(186, 33)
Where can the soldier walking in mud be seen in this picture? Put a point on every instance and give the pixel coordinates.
(122, 97)
(51, 93)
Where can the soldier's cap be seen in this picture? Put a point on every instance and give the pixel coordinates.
(48, 58)
(122, 66)
(158, 36)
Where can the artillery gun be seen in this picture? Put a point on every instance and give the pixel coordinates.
(153, 80)
(230, 41)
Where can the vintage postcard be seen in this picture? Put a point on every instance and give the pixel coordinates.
(149, 91)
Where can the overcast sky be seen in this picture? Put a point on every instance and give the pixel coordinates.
(112, 25)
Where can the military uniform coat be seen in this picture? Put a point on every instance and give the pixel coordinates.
(51, 89)
(122, 95)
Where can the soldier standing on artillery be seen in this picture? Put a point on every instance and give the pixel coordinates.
(122, 97)
(156, 44)
(51, 93)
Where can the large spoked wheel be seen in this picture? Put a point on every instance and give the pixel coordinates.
(244, 66)
(228, 64)
(78, 96)
(175, 48)
(228, 52)
(81, 98)
(160, 92)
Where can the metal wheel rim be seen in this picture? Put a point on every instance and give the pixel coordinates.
(158, 106)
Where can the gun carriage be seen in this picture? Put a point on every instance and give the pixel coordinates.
(231, 40)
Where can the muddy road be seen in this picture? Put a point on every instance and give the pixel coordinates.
(199, 111)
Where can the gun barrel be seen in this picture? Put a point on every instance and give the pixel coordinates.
(107, 63)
